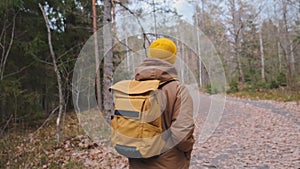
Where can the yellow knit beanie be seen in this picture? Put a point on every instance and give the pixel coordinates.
(164, 49)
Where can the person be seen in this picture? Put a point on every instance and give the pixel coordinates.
(177, 116)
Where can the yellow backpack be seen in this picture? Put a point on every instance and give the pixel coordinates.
(136, 124)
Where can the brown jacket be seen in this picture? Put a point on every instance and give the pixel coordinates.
(177, 118)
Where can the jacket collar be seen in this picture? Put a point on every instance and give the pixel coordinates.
(154, 68)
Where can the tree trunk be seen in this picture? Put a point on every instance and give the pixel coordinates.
(182, 60)
(98, 80)
(154, 16)
(128, 55)
(292, 65)
(58, 75)
(278, 38)
(240, 70)
(108, 58)
(236, 32)
(262, 56)
(289, 72)
(3, 109)
(279, 56)
(198, 45)
(292, 57)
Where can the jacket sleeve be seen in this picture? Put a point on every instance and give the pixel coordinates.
(182, 125)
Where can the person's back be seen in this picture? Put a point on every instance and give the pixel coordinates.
(177, 116)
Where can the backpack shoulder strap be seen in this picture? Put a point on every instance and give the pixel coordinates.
(162, 84)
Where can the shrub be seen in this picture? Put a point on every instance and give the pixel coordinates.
(274, 84)
(262, 85)
(233, 86)
(281, 79)
(208, 88)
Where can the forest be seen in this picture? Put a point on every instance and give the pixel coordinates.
(257, 42)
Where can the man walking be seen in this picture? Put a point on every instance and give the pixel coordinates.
(177, 116)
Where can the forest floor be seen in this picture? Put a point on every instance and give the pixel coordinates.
(251, 134)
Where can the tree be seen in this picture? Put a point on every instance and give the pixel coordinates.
(197, 23)
(286, 45)
(108, 58)
(17, 97)
(6, 42)
(207, 20)
(236, 23)
(58, 74)
(98, 82)
(271, 61)
(262, 56)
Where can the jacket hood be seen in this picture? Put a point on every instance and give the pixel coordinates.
(154, 68)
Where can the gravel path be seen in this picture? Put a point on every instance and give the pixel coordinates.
(290, 110)
(251, 134)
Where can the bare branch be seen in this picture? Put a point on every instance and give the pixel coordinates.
(9, 47)
(42, 61)
(5, 126)
(3, 30)
(129, 49)
(19, 71)
(132, 13)
(69, 50)
(45, 122)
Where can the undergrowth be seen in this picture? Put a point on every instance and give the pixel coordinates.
(269, 94)
(21, 148)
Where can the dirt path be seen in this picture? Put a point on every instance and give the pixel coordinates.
(251, 134)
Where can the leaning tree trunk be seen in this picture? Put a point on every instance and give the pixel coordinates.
(108, 58)
(58, 75)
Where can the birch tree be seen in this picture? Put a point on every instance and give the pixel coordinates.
(262, 56)
(207, 20)
(58, 74)
(278, 36)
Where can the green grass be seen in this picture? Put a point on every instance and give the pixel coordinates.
(269, 94)
(74, 165)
